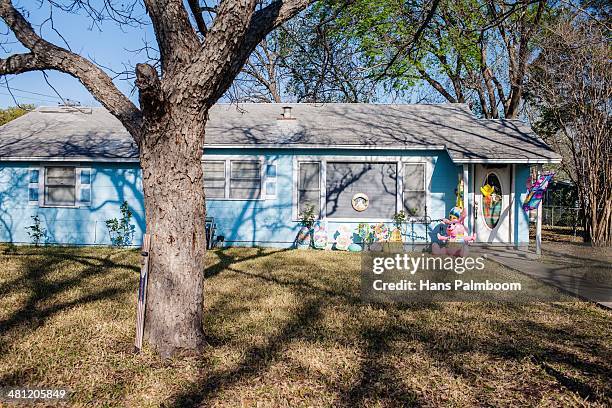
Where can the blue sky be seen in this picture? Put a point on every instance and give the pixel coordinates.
(108, 47)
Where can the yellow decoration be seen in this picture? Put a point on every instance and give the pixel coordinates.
(487, 190)
(396, 236)
(459, 193)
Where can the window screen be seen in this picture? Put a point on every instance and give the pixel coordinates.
(414, 189)
(378, 181)
(245, 179)
(309, 186)
(60, 185)
(214, 179)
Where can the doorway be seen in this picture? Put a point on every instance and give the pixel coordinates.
(492, 202)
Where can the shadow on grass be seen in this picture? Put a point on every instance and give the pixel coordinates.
(256, 359)
(556, 351)
(38, 263)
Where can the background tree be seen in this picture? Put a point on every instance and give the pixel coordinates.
(570, 88)
(197, 64)
(306, 60)
(13, 112)
(474, 51)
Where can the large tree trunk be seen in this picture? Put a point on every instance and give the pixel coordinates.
(170, 156)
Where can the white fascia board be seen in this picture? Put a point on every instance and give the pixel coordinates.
(321, 146)
(70, 159)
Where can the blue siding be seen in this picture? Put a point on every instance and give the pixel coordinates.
(111, 184)
(242, 222)
(269, 222)
(521, 226)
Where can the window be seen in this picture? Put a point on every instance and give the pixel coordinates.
(309, 186)
(33, 177)
(373, 184)
(245, 179)
(214, 179)
(271, 180)
(414, 189)
(60, 186)
(85, 186)
(492, 202)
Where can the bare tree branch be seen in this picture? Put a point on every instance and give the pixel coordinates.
(44, 55)
(196, 11)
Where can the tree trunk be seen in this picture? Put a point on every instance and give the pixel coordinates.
(175, 217)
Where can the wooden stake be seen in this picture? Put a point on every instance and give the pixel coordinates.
(142, 291)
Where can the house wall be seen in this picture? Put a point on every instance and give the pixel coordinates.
(274, 222)
(111, 184)
(269, 222)
(521, 226)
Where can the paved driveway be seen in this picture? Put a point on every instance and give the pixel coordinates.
(580, 270)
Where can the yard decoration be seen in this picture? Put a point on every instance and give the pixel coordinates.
(320, 235)
(303, 240)
(381, 232)
(366, 234)
(459, 193)
(354, 247)
(360, 202)
(343, 238)
(396, 235)
(455, 239)
(535, 191)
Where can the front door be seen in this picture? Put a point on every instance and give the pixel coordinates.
(492, 200)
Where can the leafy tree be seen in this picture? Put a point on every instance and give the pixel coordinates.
(474, 51)
(13, 112)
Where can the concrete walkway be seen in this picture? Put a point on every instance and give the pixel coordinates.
(582, 271)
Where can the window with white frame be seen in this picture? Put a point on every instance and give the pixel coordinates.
(414, 196)
(309, 186)
(245, 179)
(377, 181)
(33, 189)
(271, 180)
(60, 186)
(214, 178)
(84, 186)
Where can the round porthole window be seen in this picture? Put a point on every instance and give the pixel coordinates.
(491, 200)
(360, 202)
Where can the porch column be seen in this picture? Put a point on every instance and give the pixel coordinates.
(466, 202)
(513, 217)
(539, 220)
(472, 199)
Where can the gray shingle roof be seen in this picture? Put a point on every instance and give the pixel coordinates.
(94, 134)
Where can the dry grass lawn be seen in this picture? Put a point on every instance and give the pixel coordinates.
(287, 328)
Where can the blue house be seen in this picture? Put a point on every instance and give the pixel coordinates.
(264, 163)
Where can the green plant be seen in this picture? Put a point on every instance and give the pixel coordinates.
(36, 231)
(121, 231)
(307, 217)
(413, 212)
(366, 234)
(400, 219)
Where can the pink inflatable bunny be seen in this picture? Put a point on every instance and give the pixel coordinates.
(456, 239)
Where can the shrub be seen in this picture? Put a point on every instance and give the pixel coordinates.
(120, 230)
(36, 231)
(307, 217)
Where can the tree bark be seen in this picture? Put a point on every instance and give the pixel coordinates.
(175, 215)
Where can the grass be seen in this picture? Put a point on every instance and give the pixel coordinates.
(287, 328)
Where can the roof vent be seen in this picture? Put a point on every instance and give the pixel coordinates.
(286, 115)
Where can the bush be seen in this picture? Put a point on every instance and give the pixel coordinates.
(121, 231)
(36, 231)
